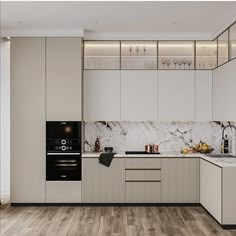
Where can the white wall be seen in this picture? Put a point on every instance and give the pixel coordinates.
(5, 117)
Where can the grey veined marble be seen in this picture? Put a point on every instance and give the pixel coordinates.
(170, 136)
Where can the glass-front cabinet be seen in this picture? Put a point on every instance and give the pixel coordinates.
(177, 55)
(139, 55)
(232, 42)
(223, 48)
(206, 55)
(160, 55)
(102, 55)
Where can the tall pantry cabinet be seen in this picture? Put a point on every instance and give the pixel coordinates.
(27, 120)
(45, 85)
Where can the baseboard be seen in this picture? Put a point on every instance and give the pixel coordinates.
(104, 204)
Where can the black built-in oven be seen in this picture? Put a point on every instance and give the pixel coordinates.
(63, 148)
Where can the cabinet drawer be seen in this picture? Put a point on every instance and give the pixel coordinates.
(143, 192)
(143, 163)
(152, 175)
(63, 191)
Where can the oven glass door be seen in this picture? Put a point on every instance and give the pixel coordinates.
(63, 167)
(63, 130)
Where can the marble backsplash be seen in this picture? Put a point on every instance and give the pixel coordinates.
(170, 136)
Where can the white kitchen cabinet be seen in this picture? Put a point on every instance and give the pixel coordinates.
(224, 96)
(218, 191)
(176, 95)
(211, 189)
(101, 184)
(101, 95)
(204, 95)
(138, 95)
(63, 191)
(179, 180)
(28, 120)
(229, 196)
(63, 79)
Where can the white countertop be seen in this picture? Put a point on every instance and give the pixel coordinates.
(221, 162)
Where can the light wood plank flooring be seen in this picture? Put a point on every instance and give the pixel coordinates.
(105, 221)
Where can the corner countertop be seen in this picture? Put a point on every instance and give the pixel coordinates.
(220, 162)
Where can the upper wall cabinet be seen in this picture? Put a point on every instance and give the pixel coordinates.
(206, 55)
(101, 95)
(176, 95)
(232, 37)
(224, 95)
(139, 55)
(138, 95)
(223, 48)
(176, 55)
(100, 55)
(204, 95)
(63, 79)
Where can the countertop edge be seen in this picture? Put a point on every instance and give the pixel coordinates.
(211, 160)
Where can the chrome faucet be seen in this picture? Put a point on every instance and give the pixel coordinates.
(223, 135)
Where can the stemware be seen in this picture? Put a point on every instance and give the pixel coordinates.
(189, 63)
(175, 61)
(137, 50)
(180, 61)
(144, 50)
(163, 61)
(168, 62)
(130, 51)
(184, 62)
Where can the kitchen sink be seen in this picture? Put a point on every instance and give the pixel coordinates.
(221, 155)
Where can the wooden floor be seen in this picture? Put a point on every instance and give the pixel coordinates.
(105, 221)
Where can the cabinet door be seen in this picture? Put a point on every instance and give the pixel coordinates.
(28, 120)
(138, 95)
(63, 191)
(176, 95)
(179, 180)
(204, 95)
(210, 188)
(224, 95)
(63, 79)
(102, 95)
(101, 184)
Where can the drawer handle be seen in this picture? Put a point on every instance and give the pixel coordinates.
(143, 169)
(143, 181)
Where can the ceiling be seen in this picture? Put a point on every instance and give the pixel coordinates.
(159, 20)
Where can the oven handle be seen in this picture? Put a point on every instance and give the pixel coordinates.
(66, 165)
(69, 153)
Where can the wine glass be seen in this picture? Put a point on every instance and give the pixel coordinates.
(189, 62)
(137, 50)
(163, 61)
(184, 62)
(175, 61)
(199, 65)
(144, 50)
(168, 62)
(130, 51)
(180, 61)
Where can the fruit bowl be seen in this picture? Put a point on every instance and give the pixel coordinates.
(207, 150)
(203, 148)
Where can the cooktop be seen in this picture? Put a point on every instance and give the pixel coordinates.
(140, 152)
